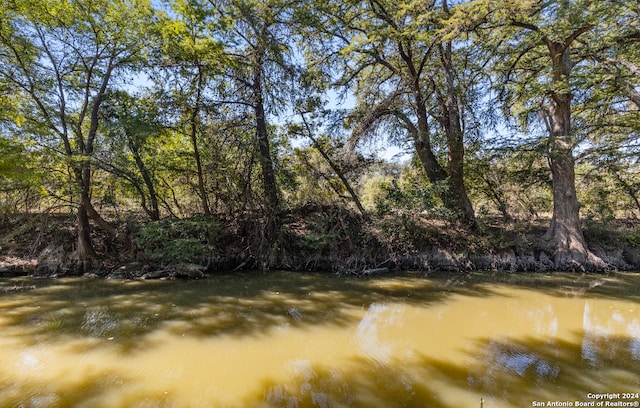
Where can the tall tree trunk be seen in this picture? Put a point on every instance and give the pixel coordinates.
(266, 162)
(457, 189)
(454, 196)
(154, 212)
(84, 250)
(195, 115)
(455, 138)
(264, 149)
(452, 125)
(422, 134)
(422, 144)
(565, 231)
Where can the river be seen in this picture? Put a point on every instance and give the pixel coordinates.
(286, 339)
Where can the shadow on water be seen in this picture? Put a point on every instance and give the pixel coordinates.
(365, 384)
(240, 305)
(518, 372)
(48, 394)
(121, 315)
(611, 285)
(499, 373)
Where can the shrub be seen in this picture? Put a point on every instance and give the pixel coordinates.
(176, 240)
(318, 241)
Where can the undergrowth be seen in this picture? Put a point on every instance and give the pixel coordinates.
(176, 240)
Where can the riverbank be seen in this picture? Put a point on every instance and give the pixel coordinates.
(310, 238)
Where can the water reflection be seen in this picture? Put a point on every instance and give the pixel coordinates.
(99, 322)
(600, 325)
(520, 362)
(313, 387)
(285, 340)
(379, 317)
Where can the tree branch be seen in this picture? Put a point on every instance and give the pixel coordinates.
(574, 35)
(528, 26)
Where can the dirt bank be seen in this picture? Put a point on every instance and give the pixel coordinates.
(310, 238)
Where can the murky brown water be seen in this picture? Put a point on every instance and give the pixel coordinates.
(293, 340)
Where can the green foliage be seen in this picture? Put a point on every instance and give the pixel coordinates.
(408, 191)
(406, 231)
(610, 189)
(317, 241)
(598, 204)
(176, 240)
(12, 160)
(510, 182)
(633, 238)
(21, 179)
(208, 63)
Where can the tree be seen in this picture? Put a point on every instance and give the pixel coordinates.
(544, 58)
(409, 73)
(190, 61)
(257, 43)
(259, 66)
(63, 55)
(321, 143)
(131, 124)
